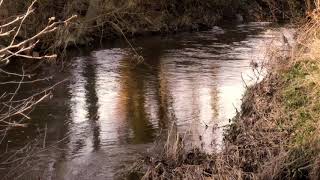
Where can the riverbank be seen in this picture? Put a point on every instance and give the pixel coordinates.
(136, 18)
(100, 20)
(97, 20)
(276, 133)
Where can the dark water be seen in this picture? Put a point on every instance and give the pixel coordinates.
(113, 109)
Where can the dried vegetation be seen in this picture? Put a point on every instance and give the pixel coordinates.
(98, 19)
(276, 134)
(20, 49)
(15, 49)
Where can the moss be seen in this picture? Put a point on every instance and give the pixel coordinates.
(301, 101)
(295, 98)
(300, 70)
(297, 89)
(304, 128)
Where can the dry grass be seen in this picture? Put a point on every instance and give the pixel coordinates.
(276, 134)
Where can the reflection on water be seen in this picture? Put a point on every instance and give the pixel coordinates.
(112, 109)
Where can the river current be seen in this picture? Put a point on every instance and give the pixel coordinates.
(112, 108)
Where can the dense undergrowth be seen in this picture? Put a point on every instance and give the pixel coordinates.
(99, 19)
(106, 19)
(274, 10)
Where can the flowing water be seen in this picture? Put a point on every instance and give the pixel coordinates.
(112, 108)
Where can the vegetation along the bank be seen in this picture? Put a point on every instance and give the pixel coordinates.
(98, 19)
(276, 134)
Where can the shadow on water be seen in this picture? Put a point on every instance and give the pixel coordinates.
(91, 96)
(112, 109)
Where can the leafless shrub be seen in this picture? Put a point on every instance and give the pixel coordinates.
(18, 50)
(14, 109)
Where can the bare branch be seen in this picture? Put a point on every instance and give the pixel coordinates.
(14, 109)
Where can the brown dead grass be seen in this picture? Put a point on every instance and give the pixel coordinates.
(277, 133)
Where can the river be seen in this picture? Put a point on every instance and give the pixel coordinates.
(112, 108)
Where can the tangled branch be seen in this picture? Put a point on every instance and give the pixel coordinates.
(13, 108)
(9, 31)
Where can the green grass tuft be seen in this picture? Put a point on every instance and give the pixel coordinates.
(302, 101)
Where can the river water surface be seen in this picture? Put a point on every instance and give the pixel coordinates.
(112, 108)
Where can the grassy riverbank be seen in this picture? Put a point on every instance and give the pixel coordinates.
(276, 133)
